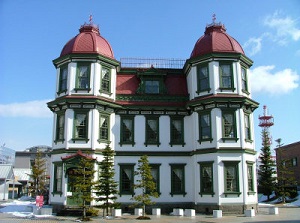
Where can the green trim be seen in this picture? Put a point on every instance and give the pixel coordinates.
(152, 97)
(86, 81)
(106, 80)
(201, 79)
(152, 153)
(152, 136)
(90, 56)
(205, 190)
(57, 127)
(81, 131)
(130, 190)
(236, 189)
(187, 154)
(174, 184)
(124, 129)
(156, 166)
(222, 76)
(216, 56)
(174, 138)
(232, 126)
(105, 130)
(201, 139)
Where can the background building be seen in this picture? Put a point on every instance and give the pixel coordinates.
(193, 118)
(290, 155)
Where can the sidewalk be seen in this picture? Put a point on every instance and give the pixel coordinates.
(286, 215)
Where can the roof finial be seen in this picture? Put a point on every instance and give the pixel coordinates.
(91, 19)
(214, 18)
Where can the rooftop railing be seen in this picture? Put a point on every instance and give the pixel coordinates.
(147, 63)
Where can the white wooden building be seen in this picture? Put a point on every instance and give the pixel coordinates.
(193, 118)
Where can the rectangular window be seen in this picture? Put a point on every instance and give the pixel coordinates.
(204, 127)
(83, 76)
(60, 127)
(81, 125)
(206, 178)
(152, 87)
(58, 173)
(105, 80)
(231, 174)
(226, 78)
(250, 178)
(126, 179)
(152, 130)
(177, 179)
(244, 80)
(103, 127)
(294, 161)
(247, 127)
(155, 175)
(177, 134)
(63, 79)
(229, 129)
(203, 78)
(127, 130)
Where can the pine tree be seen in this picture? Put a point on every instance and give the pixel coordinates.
(82, 181)
(106, 188)
(38, 175)
(145, 183)
(266, 168)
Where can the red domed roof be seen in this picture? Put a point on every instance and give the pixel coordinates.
(88, 40)
(216, 40)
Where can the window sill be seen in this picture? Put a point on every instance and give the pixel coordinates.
(204, 90)
(230, 139)
(205, 140)
(246, 92)
(251, 193)
(227, 89)
(61, 92)
(126, 143)
(103, 141)
(59, 141)
(80, 139)
(105, 92)
(57, 193)
(232, 193)
(126, 194)
(82, 89)
(249, 140)
(207, 193)
(178, 193)
(177, 143)
(152, 143)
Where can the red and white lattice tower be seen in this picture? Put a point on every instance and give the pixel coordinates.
(265, 122)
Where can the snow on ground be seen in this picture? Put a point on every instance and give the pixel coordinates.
(262, 200)
(22, 208)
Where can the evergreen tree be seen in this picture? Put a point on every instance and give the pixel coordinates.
(287, 184)
(38, 175)
(266, 168)
(145, 183)
(106, 188)
(81, 182)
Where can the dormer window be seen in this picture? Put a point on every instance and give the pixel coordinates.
(152, 82)
(152, 87)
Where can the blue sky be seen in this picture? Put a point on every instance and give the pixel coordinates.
(34, 32)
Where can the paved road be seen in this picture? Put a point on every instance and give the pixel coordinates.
(286, 215)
